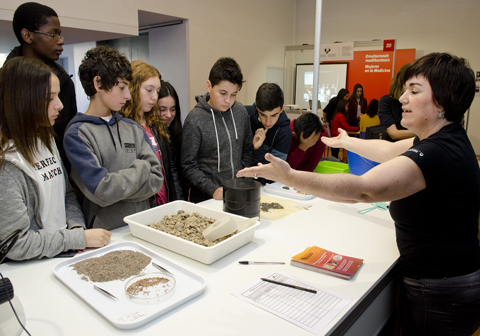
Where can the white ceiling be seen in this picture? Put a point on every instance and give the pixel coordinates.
(72, 35)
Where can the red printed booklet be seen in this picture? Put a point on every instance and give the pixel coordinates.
(323, 261)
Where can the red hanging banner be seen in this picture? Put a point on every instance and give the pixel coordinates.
(388, 45)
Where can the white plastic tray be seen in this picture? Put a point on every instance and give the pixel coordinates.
(207, 255)
(279, 189)
(126, 314)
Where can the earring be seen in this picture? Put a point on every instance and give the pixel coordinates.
(440, 115)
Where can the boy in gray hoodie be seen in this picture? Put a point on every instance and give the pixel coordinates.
(113, 162)
(217, 139)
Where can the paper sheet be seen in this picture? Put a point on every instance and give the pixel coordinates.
(309, 311)
(290, 207)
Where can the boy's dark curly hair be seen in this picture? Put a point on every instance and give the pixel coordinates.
(108, 64)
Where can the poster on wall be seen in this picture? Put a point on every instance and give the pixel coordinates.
(336, 52)
(373, 69)
(374, 72)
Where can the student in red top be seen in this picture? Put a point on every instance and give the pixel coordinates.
(357, 105)
(340, 120)
(306, 148)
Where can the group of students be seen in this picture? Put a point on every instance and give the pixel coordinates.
(129, 151)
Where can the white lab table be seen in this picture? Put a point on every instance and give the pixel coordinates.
(52, 309)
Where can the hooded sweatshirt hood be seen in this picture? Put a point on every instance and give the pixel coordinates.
(114, 121)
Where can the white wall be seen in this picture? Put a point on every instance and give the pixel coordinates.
(119, 16)
(75, 54)
(428, 26)
(168, 49)
(253, 32)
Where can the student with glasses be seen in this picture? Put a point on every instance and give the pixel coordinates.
(38, 30)
(55, 36)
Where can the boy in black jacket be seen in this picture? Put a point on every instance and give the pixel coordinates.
(38, 30)
(270, 125)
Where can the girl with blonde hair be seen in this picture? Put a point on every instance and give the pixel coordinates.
(144, 89)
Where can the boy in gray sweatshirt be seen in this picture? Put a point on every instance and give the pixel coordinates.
(113, 162)
(217, 139)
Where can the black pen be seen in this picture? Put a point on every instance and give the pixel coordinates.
(261, 262)
(291, 286)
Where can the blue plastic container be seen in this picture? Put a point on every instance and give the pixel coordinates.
(358, 165)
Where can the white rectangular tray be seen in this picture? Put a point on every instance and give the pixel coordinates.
(281, 190)
(207, 255)
(125, 314)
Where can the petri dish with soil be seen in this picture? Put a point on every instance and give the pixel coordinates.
(150, 288)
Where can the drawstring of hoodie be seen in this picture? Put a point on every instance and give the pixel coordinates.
(216, 134)
(110, 132)
(118, 131)
(234, 126)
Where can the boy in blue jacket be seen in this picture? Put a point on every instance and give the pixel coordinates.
(270, 125)
(113, 163)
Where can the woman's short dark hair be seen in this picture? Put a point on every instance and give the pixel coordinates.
(269, 97)
(307, 123)
(372, 108)
(24, 112)
(451, 79)
(107, 63)
(175, 128)
(31, 16)
(226, 69)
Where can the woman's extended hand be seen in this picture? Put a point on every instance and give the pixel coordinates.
(277, 170)
(97, 237)
(338, 141)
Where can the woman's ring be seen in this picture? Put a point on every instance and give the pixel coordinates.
(255, 176)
